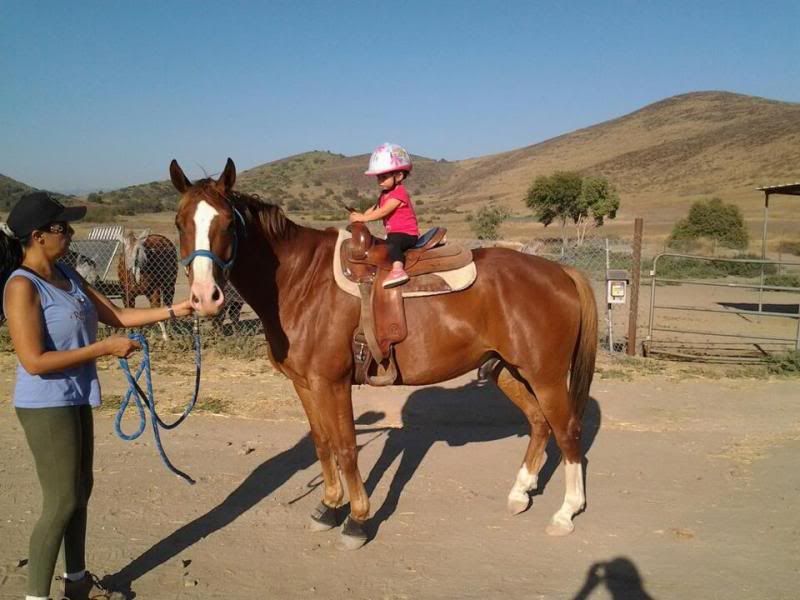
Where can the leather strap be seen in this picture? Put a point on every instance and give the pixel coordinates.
(367, 321)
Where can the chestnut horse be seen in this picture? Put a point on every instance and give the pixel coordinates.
(537, 317)
(148, 267)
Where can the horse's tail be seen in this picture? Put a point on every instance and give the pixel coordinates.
(585, 353)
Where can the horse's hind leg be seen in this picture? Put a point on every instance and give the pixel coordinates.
(561, 415)
(324, 515)
(535, 456)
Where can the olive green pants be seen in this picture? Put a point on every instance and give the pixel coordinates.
(62, 442)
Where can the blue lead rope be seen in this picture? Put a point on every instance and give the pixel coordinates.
(140, 398)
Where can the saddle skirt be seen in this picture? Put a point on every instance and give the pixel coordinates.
(427, 284)
(361, 265)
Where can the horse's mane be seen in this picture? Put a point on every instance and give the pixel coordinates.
(271, 217)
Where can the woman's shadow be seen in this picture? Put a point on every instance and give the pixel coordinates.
(619, 576)
(475, 412)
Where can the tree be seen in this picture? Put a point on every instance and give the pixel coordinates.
(567, 196)
(712, 219)
(486, 222)
(598, 201)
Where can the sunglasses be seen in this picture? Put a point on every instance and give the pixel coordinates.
(58, 227)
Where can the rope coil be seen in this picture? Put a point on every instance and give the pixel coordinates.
(142, 398)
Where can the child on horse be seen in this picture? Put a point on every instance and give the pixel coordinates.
(391, 164)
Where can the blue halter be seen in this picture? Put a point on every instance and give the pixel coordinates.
(224, 265)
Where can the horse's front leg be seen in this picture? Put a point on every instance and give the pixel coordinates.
(334, 401)
(155, 300)
(324, 515)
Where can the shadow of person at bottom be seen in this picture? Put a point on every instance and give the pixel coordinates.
(620, 577)
(473, 413)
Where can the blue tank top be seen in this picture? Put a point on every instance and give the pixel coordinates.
(69, 319)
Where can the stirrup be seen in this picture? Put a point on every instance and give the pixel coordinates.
(391, 282)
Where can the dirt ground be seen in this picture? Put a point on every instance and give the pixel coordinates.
(692, 487)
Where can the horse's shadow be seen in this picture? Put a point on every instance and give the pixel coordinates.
(265, 479)
(471, 413)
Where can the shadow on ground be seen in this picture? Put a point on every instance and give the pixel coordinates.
(619, 576)
(473, 413)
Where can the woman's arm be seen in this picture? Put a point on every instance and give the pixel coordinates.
(376, 213)
(27, 333)
(111, 314)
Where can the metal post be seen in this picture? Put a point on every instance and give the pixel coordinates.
(763, 252)
(609, 305)
(797, 336)
(636, 272)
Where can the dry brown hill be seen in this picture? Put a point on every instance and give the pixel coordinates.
(661, 158)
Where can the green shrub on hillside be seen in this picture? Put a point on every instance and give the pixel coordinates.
(714, 220)
(486, 222)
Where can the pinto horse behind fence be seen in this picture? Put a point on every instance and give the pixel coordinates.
(538, 317)
(148, 267)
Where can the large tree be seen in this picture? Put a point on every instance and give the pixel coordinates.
(555, 198)
(598, 201)
(567, 196)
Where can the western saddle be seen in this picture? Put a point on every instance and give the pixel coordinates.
(365, 261)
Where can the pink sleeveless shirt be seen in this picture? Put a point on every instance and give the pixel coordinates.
(403, 219)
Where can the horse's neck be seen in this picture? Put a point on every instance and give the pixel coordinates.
(269, 271)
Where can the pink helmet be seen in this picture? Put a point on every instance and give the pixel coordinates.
(387, 158)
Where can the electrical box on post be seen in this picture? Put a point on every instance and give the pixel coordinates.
(617, 281)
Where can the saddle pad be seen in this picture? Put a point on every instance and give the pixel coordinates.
(457, 280)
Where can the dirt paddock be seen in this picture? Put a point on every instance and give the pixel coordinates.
(692, 487)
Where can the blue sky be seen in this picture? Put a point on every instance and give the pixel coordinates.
(104, 94)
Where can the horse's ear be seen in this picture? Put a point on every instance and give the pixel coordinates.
(228, 177)
(179, 180)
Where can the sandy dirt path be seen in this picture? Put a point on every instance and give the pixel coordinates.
(692, 493)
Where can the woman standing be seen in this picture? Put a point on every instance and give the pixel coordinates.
(52, 316)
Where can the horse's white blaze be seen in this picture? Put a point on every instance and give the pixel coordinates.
(202, 266)
(574, 499)
(526, 481)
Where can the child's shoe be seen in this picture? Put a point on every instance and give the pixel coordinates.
(396, 277)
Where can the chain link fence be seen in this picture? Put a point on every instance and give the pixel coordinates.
(139, 268)
(595, 256)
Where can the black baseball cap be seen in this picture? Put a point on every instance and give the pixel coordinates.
(37, 209)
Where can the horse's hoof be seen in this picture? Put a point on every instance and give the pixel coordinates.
(353, 535)
(323, 518)
(518, 503)
(559, 528)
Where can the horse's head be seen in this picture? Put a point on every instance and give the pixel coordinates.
(135, 253)
(87, 268)
(207, 224)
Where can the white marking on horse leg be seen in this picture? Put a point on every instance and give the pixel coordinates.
(163, 330)
(202, 266)
(574, 500)
(518, 499)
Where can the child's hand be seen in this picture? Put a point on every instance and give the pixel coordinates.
(356, 217)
